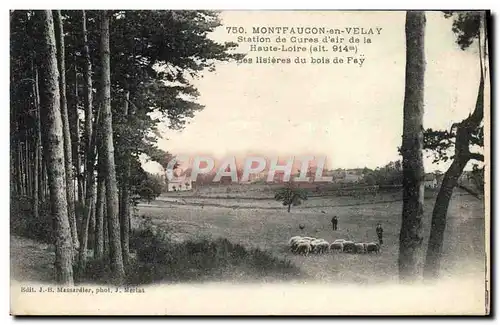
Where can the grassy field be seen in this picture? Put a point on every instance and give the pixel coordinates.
(265, 224)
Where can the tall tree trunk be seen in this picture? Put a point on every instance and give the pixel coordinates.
(464, 130)
(105, 241)
(25, 164)
(41, 183)
(45, 176)
(99, 212)
(54, 147)
(23, 167)
(125, 194)
(13, 151)
(100, 236)
(81, 177)
(87, 97)
(17, 154)
(13, 187)
(410, 239)
(92, 216)
(109, 159)
(36, 162)
(27, 158)
(13, 137)
(28, 167)
(22, 158)
(59, 32)
(82, 260)
(89, 197)
(13, 162)
(438, 224)
(75, 135)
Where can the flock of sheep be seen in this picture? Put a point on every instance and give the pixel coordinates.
(306, 245)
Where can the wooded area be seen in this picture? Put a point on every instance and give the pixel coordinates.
(83, 85)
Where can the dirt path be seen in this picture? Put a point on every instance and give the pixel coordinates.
(30, 261)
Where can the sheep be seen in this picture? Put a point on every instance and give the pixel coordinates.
(313, 243)
(294, 245)
(303, 248)
(360, 248)
(322, 247)
(316, 241)
(293, 239)
(372, 247)
(349, 247)
(296, 240)
(319, 245)
(339, 240)
(337, 246)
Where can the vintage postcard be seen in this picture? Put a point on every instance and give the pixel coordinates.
(198, 162)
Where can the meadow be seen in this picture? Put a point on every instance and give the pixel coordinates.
(265, 224)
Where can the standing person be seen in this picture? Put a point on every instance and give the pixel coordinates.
(334, 223)
(380, 233)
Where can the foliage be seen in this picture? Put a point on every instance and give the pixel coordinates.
(477, 176)
(440, 144)
(290, 195)
(390, 174)
(465, 26)
(156, 56)
(150, 187)
(161, 157)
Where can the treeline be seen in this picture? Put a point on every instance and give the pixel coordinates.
(390, 174)
(83, 86)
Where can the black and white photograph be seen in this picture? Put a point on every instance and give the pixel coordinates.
(283, 162)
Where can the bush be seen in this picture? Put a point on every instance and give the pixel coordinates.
(149, 188)
(291, 195)
(160, 259)
(23, 223)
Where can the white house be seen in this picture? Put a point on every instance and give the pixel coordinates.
(347, 176)
(352, 177)
(175, 186)
(183, 184)
(262, 176)
(430, 181)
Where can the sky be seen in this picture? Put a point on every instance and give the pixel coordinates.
(352, 115)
